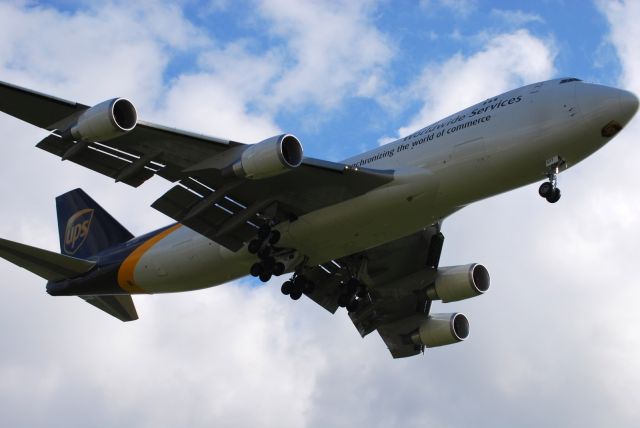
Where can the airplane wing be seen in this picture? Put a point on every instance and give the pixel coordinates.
(396, 302)
(226, 210)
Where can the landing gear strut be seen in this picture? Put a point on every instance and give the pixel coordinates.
(549, 190)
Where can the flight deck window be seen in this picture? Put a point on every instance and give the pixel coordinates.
(571, 79)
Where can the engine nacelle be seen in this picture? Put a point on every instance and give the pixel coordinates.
(441, 329)
(459, 282)
(269, 157)
(104, 121)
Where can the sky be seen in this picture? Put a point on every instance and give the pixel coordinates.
(553, 343)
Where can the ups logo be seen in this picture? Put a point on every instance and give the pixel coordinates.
(77, 230)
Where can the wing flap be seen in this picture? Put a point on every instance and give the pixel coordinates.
(177, 202)
(222, 220)
(46, 264)
(120, 306)
(327, 287)
(100, 158)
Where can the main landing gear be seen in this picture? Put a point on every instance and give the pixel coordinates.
(263, 247)
(275, 261)
(549, 190)
(353, 291)
(297, 285)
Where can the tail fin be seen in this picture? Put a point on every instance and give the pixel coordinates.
(85, 227)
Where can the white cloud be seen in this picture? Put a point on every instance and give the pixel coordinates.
(625, 37)
(462, 8)
(516, 18)
(207, 104)
(334, 51)
(322, 52)
(104, 49)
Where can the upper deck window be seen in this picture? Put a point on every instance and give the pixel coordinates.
(570, 79)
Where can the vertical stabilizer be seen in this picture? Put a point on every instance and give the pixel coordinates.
(85, 228)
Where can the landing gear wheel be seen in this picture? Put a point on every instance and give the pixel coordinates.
(296, 293)
(265, 276)
(353, 305)
(278, 269)
(256, 269)
(254, 246)
(554, 196)
(286, 288)
(549, 190)
(545, 189)
(268, 263)
(264, 252)
(262, 246)
(274, 237)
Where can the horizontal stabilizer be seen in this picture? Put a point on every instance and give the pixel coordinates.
(47, 264)
(120, 307)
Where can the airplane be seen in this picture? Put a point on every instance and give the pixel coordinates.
(362, 234)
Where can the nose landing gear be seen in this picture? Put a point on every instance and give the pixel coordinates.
(549, 190)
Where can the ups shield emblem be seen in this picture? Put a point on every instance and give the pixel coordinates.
(77, 230)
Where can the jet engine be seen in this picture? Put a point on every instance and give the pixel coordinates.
(459, 282)
(269, 157)
(441, 329)
(104, 121)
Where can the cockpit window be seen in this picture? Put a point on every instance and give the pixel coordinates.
(570, 79)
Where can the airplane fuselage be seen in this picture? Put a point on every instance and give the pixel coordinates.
(489, 148)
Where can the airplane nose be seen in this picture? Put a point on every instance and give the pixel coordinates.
(628, 104)
(604, 104)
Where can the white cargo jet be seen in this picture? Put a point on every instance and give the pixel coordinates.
(363, 234)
